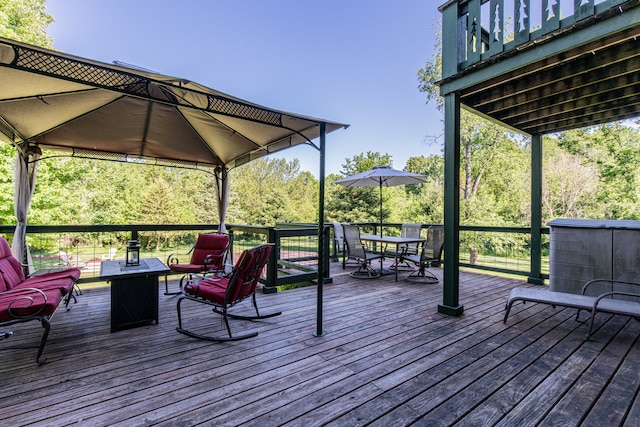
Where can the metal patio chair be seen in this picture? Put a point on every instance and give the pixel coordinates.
(208, 256)
(430, 254)
(356, 250)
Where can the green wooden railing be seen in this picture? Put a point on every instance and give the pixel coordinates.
(484, 28)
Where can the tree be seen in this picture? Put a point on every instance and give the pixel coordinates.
(25, 21)
(486, 148)
(614, 149)
(269, 190)
(425, 201)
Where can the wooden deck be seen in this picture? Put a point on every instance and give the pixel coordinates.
(388, 359)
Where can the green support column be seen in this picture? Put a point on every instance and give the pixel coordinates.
(451, 292)
(536, 211)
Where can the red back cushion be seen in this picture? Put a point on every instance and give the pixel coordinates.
(209, 244)
(9, 266)
(246, 274)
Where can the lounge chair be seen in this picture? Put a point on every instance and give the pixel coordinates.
(111, 255)
(619, 297)
(71, 261)
(225, 292)
(430, 254)
(356, 250)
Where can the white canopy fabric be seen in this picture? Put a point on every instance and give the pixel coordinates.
(51, 100)
(67, 103)
(24, 183)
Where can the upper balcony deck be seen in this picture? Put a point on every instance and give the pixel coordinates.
(542, 66)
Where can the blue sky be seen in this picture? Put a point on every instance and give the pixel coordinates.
(350, 61)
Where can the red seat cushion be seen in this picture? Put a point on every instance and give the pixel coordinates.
(212, 289)
(63, 284)
(187, 268)
(72, 273)
(26, 303)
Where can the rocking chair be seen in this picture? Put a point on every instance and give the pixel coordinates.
(224, 292)
(207, 256)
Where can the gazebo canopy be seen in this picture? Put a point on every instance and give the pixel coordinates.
(93, 109)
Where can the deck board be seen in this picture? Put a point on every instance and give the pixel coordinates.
(388, 358)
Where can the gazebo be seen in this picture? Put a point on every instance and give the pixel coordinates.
(577, 67)
(89, 109)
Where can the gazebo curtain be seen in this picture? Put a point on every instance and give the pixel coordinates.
(26, 162)
(222, 193)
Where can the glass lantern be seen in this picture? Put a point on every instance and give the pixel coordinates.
(133, 253)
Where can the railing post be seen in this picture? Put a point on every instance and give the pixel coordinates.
(474, 32)
(522, 26)
(326, 258)
(453, 39)
(272, 266)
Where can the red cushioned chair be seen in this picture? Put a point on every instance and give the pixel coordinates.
(14, 278)
(26, 304)
(208, 256)
(224, 292)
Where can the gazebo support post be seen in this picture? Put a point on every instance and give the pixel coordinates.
(321, 255)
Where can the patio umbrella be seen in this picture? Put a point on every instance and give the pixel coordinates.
(381, 176)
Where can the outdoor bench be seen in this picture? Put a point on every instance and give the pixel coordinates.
(24, 299)
(621, 298)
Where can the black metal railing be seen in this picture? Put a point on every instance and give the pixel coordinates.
(294, 260)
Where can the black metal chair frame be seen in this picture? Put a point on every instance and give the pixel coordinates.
(409, 249)
(223, 309)
(430, 254)
(36, 315)
(358, 251)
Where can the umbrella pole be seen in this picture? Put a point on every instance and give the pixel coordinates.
(380, 208)
(381, 249)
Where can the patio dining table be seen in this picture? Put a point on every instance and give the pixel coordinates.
(391, 240)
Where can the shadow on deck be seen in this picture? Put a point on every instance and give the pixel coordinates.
(388, 358)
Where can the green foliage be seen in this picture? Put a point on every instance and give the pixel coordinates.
(268, 190)
(614, 150)
(357, 204)
(25, 21)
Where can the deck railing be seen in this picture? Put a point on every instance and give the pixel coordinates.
(495, 249)
(484, 28)
(488, 248)
(294, 260)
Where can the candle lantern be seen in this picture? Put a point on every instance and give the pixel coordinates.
(133, 253)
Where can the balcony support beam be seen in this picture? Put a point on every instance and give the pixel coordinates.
(451, 290)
